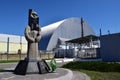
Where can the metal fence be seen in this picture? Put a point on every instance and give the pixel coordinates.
(22, 56)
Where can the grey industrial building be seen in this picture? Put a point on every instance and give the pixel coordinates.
(110, 47)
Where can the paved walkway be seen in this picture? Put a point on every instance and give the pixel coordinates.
(8, 75)
(60, 62)
(60, 74)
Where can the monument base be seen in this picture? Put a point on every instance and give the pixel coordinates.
(31, 67)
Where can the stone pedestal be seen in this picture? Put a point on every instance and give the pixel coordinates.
(31, 67)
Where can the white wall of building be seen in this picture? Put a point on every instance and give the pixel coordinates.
(13, 44)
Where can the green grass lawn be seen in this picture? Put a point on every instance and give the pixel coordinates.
(8, 61)
(96, 70)
(95, 75)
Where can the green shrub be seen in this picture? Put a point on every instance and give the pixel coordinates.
(94, 66)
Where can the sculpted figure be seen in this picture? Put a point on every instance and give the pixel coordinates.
(32, 63)
(33, 35)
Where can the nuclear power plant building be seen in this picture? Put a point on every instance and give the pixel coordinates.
(54, 34)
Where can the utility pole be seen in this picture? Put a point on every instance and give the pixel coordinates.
(20, 46)
(8, 46)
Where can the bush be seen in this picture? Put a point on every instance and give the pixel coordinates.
(94, 66)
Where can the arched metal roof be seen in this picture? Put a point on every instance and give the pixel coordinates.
(69, 29)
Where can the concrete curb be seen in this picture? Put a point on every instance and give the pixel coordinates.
(80, 76)
(85, 76)
(68, 76)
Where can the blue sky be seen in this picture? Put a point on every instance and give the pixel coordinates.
(104, 14)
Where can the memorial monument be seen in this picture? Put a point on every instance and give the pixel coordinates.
(32, 63)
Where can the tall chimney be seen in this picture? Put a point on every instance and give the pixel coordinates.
(108, 32)
(82, 30)
(100, 32)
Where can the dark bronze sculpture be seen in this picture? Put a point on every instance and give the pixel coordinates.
(32, 63)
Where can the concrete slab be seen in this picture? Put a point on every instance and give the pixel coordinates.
(60, 74)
